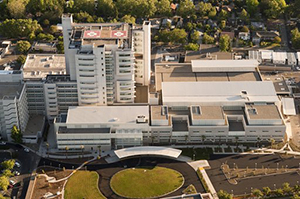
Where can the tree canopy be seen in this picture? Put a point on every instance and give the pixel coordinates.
(19, 27)
(186, 8)
(8, 164)
(4, 182)
(252, 6)
(224, 43)
(273, 8)
(16, 133)
(296, 38)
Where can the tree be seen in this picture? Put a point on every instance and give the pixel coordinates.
(222, 24)
(192, 46)
(278, 192)
(53, 29)
(186, 8)
(48, 9)
(178, 36)
(19, 27)
(257, 193)
(7, 173)
(21, 59)
(195, 36)
(224, 195)
(296, 38)
(212, 14)
(286, 188)
(189, 26)
(244, 16)
(277, 40)
(8, 164)
(206, 39)
(84, 6)
(272, 8)
(4, 183)
(23, 46)
(60, 47)
(224, 43)
(223, 15)
(128, 19)
(45, 37)
(136, 8)
(266, 191)
(83, 17)
(203, 9)
(252, 6)
(163, 8)
(17, 8)
(16, 133)
(106, 9)
(244, 29)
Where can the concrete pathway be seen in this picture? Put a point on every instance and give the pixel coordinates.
(209, 184)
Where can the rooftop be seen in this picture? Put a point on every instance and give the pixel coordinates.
(183, 73)
(106, 114)
(262, 112)
(159, 112)
(190, 93)
(10, 90)
(224, 65)
(207, 112)
(82, 130)
(38, 66)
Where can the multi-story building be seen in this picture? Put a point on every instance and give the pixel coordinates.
(101, 58)
(110, 127)
(13, 108)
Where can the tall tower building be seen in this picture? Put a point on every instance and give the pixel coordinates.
(102, 59)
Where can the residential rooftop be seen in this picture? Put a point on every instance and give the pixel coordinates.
(38, 66)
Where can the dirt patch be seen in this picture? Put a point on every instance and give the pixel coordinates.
(54, 172)
(42, 187)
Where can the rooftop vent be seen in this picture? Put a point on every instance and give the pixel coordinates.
(141, 119)
(196, 110)
(252, 111)
(244, 94)
(164, 110)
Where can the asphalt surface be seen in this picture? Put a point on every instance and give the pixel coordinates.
(28, 161)
(242, 161)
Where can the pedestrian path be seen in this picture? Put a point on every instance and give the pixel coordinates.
(209, 184)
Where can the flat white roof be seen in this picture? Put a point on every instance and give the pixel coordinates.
(197, 92)
(224, 65)
(288, 105)
(148, 150)
(280, 56)
(266, 54)
(40, 65)
(105, 114)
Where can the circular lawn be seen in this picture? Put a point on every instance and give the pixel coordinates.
(146, 182)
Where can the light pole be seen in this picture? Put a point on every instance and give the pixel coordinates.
(274, 186)
(255, 166)
(277, 166)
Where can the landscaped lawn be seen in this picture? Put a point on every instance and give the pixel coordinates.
(145, 182)
(200, 153)
(83, 184)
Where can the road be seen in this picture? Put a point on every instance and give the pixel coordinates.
(29, 162)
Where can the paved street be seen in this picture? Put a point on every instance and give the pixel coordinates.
(242, 161)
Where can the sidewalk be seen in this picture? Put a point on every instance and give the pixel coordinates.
(209, 184)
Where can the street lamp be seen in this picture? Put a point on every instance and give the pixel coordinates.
(255, 165)
(277, 165)
(274, 186)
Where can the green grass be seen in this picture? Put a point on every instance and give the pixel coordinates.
(145, 182)
(83, 184)
(200, 153)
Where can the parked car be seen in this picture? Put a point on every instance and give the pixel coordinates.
(2, 143)
(26, 150)
(17, 164)
(11, 182)
(16, 173)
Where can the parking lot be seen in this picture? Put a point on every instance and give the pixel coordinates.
(251, 160)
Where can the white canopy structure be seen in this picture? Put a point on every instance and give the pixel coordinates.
(288, 106)
(147, 151)
(224, 65)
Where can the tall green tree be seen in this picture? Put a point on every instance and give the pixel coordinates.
(272, 8)
(163, 8)
(178, 36)
(223, 15)
(244, 16)
(257, 193)
(106, 9)
(206, 39)
(17, 8)
(252, 6)
(16, 133)
(296, 38)
(19, 27)
(266, 191)
(84, 6)
(186, 8)
(224, 43)
(195, 36)
(53, 9)
(203, 8)
(224, 195)
(128, 19)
